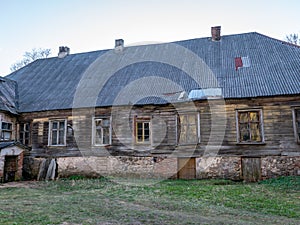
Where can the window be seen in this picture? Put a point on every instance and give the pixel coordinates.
(6, 131)
(57, 132)
(189, 128)
(101, 131)
(249, 126)
(142, 130)
(296, 120)
(24, 133)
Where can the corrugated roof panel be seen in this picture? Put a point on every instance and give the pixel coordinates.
(275, 70)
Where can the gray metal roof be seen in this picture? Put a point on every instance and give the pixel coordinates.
(8, 95)
(6, 144)
(159, 73)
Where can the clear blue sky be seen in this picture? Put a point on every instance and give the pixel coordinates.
(88, 25)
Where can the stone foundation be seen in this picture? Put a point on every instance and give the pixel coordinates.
(141, 167)
(275, 166)
(218, 167)
(163, 167)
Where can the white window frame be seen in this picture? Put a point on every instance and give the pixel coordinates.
(50, 132)
(6, 130)
(261, 120)
(295, 125)
(198, 127)
(94, 130)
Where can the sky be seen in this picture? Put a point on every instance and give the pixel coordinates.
(89, 25)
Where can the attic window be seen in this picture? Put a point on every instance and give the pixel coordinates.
(241, 62)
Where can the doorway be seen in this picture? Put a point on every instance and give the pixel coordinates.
(10, 168)
(186, 168)
(251, 169)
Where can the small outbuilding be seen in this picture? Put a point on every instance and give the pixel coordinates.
(11, 161)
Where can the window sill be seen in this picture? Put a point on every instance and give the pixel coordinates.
(57, 145)
(187, 144)
(251, 143)
(143, 144)
(103, 145)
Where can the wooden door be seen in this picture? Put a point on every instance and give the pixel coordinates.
(186, 168)
(251, 169)
(10, 168)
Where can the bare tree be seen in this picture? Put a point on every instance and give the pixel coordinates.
(293, 39)
(29, 57)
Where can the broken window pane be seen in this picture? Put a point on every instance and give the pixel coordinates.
(249, 126)
(254, 116)
(255, 132)
(101, 131)
(243, 117)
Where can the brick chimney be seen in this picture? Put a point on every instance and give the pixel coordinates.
(63, 51)
(216, 33)
(119, 45)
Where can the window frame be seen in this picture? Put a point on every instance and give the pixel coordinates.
(142, 120)
(23, 131)
(295, 126)
(50, 137)
(6, 130)
(261, 126)
(198, 127)
(94, 130)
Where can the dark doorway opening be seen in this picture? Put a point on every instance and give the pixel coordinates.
(10, 168)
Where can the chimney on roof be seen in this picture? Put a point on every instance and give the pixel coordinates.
(63, 51)
(119, 45)
(216, 33)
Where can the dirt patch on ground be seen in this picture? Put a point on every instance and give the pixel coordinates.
(20, 184)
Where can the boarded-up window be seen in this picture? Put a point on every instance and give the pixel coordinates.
(57, 133)
(101, 131)
(189, 127)
(24, 135)
(6, 131)
(249, 126)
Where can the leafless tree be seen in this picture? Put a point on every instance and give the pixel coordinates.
(293, 39)
(29, 57)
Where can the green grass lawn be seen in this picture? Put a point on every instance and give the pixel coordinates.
(102, 201)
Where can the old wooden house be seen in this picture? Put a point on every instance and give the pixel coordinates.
(214, 107)
(11, 152)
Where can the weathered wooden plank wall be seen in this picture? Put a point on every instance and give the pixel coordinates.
(277, 124)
